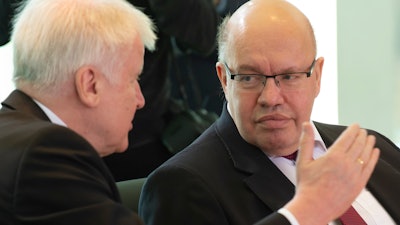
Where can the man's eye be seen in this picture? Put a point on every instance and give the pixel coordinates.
(247, 78)
(290, 76)
(287, 77)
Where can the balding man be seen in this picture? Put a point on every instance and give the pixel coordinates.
(243, 168)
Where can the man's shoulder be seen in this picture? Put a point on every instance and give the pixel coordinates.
(26, 139)
(206, 147)
(205, 158)
(23, 127)
(335, 128)
(338, 129)
(389, 150)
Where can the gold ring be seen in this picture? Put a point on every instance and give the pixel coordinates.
(360, 161)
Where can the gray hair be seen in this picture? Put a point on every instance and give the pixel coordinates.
(222, 39)
(52, 39)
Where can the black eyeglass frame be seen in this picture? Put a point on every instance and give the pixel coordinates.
(232, 76)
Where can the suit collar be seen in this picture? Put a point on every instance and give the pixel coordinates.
(21, 102)
(264, 178)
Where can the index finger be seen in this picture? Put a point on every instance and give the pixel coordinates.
(346, 139)
(306, 147)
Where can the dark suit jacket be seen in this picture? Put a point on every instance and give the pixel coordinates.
(50, 174)
(221, 179)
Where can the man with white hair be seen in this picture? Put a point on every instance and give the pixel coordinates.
(77, 65)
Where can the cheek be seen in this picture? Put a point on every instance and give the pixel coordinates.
(243, 106)
(228, 91)
(127, 97)
(302, 104)
(234, 96)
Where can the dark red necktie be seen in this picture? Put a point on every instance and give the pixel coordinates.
(351, 217)
(292, 156)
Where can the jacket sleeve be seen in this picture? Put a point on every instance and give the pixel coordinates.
(273, 219)
(192, 23)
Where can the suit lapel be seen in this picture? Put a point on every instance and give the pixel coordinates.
(271, 186)
(267, 182)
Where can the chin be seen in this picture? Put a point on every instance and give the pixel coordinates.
(123, 147)
(121, 150)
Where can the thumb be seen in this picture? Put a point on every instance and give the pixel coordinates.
(306, 147)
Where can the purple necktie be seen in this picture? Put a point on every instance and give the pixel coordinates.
(292, 156)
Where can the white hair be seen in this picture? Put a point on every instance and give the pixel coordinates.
(52, 39)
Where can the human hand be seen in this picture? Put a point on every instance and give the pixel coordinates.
(327, 186)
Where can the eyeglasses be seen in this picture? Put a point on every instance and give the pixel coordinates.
(286, 81)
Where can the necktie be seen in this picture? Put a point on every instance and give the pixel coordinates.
(292, 156)
(351, 217)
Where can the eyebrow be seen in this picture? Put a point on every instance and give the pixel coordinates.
(247, 67)
(257, 69)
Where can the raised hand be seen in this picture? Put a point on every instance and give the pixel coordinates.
(327, 186)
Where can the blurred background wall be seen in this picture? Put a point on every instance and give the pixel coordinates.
(369, 64)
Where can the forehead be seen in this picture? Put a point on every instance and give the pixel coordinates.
(269, 36)
(135, 53)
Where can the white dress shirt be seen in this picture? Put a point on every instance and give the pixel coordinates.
(52, 116)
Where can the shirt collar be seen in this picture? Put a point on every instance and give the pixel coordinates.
(52, 116)
(317, 138)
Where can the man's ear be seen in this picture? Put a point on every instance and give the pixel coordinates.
(87, 85)
(221, 72)
(221, 75)
(319, 64)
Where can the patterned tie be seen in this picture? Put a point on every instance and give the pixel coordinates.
(351, 217)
